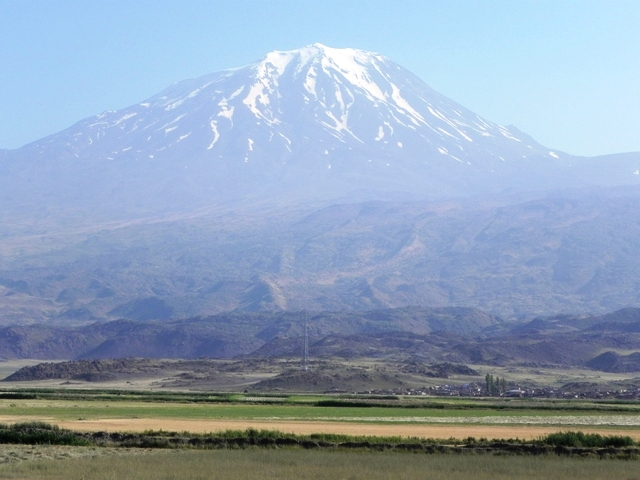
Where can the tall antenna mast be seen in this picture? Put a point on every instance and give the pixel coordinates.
(305, 353)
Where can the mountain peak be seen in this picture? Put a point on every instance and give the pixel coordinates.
(349, 62)
(316, 51)
(347, 117)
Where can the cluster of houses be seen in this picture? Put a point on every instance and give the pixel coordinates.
(479, 390)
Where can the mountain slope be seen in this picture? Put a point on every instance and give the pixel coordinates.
(225, 335)
(314, 123)
(538, 256)
(252, 189)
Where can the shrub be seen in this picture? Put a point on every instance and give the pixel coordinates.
(589, 440)
(39, 433)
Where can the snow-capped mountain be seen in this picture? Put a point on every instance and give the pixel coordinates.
(317, 119)
(221, 193)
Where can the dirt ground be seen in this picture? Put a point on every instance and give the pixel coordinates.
(302, 427)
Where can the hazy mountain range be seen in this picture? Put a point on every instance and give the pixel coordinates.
(318, 178)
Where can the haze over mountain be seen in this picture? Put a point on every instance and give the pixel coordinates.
(317, 178)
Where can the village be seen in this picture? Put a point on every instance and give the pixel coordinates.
(480, 390)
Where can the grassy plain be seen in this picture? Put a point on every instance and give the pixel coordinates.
(98, 409)
(311, 465)
(437, 418)
(14, 454)
(404, 417)
(132, 406)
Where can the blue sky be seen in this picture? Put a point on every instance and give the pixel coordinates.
(565, 72)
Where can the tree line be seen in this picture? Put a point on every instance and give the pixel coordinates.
(495, 386)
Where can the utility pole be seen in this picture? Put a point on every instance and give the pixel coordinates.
(305, 352)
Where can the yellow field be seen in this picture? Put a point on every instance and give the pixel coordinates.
(308, 427)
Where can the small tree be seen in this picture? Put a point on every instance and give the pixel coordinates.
(491, 384)
(495, 386)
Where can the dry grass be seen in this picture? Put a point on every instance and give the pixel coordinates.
(315, 465)
(303, 427)
(12, 454)
(308, 427)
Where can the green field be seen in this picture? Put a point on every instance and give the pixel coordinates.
(311, 465)
(61, 406)
(288, 462)
(95, 409)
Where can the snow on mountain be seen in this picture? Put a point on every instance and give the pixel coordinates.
(335, 119)
(320, 97)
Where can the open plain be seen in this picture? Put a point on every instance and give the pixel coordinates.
(334, 398)
(121, 411)
(181, 396)
(316, 465)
